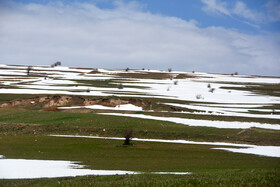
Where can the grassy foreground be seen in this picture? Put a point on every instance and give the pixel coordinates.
(218, 178)
(209, 167)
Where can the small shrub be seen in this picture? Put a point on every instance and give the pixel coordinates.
(169, 69)
(209, 85)
(175, 82)
(127, 69)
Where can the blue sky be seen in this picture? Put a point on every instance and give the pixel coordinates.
(203, 35)
(193, 9)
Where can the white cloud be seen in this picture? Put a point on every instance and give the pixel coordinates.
(216, 6)
(82, 34)
(242, 10)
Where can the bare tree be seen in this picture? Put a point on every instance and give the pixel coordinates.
(58, 63)
(29, 68)
(120, 86)
(199, 96)
(211, 90)
(128, 133)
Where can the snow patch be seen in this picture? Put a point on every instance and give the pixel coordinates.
(30, 169)
(272, 151)
(202, 123)
(129, 107)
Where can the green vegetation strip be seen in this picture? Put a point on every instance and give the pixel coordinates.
(263, 89)
(107, 83)
(94, 124)
(10, 97)
(214, 117)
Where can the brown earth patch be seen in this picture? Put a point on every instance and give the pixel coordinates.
(146, 75)
(94, 71)
(51, 102)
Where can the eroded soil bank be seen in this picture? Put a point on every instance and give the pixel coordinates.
(54, 101)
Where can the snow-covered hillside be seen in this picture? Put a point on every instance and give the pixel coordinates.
(197, 93)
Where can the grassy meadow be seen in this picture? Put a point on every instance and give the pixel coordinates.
(23, 134)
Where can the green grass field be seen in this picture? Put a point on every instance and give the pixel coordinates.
(209, 166)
